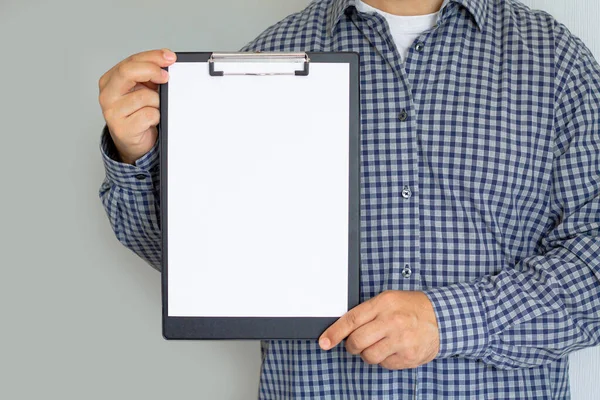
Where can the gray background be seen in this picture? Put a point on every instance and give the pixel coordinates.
(80, 314)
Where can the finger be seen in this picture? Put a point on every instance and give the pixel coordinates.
(149, 85)
(378, 352)
(394, 362)
(365, 336)
(348, 323)
(134, 101)
(162, 58)
(130, 74)
(142, 119)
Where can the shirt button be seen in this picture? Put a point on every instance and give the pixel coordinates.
(419, 46)
(140, 177)
(406, 192)
(406, 272)
(403, 116)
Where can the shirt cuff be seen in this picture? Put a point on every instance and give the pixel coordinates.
(462, 320)
(139, 177)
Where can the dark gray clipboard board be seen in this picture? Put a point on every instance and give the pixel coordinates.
(272, 327)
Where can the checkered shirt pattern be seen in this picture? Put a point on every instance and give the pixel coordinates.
(491, 128)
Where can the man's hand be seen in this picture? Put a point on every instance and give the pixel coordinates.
(130, 101)
(397, 330)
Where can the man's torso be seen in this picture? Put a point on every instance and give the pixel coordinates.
(457, 150)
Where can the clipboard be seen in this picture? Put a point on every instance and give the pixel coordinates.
(260, 194)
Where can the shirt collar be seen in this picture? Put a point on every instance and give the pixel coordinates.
(477, 8)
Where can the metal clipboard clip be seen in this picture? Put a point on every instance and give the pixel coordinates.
(258, 64)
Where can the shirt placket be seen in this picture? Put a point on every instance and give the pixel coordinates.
(391, 160)
(419, 53)
(394, 188)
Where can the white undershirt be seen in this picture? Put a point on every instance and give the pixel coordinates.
(404, 29)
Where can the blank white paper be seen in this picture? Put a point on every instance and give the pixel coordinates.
(258, 193)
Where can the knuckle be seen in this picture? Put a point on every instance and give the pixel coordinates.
(411, 355)
(407, 320)
(351, 318)
(156, 69)
(393, 362)
(102, 99)
(413, 320)
(398, 318)
(145, 97)
(101, 82)
(352, 345)
(370, 357)
(387, 296)
(393, 365)
(125, 68)
(139, 99)
(108, 114)
(116, 130)
(147, 114)
(133, 57)
(151, 114)
(144, 55)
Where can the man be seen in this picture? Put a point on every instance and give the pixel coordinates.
(480, 182)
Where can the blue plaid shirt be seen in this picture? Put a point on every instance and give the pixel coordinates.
(480, 187)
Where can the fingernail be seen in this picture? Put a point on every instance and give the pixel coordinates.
(324, 343)
(168, 55)
(164, 74)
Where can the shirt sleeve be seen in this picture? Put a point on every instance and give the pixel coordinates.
(130, 196)
(548, 304)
